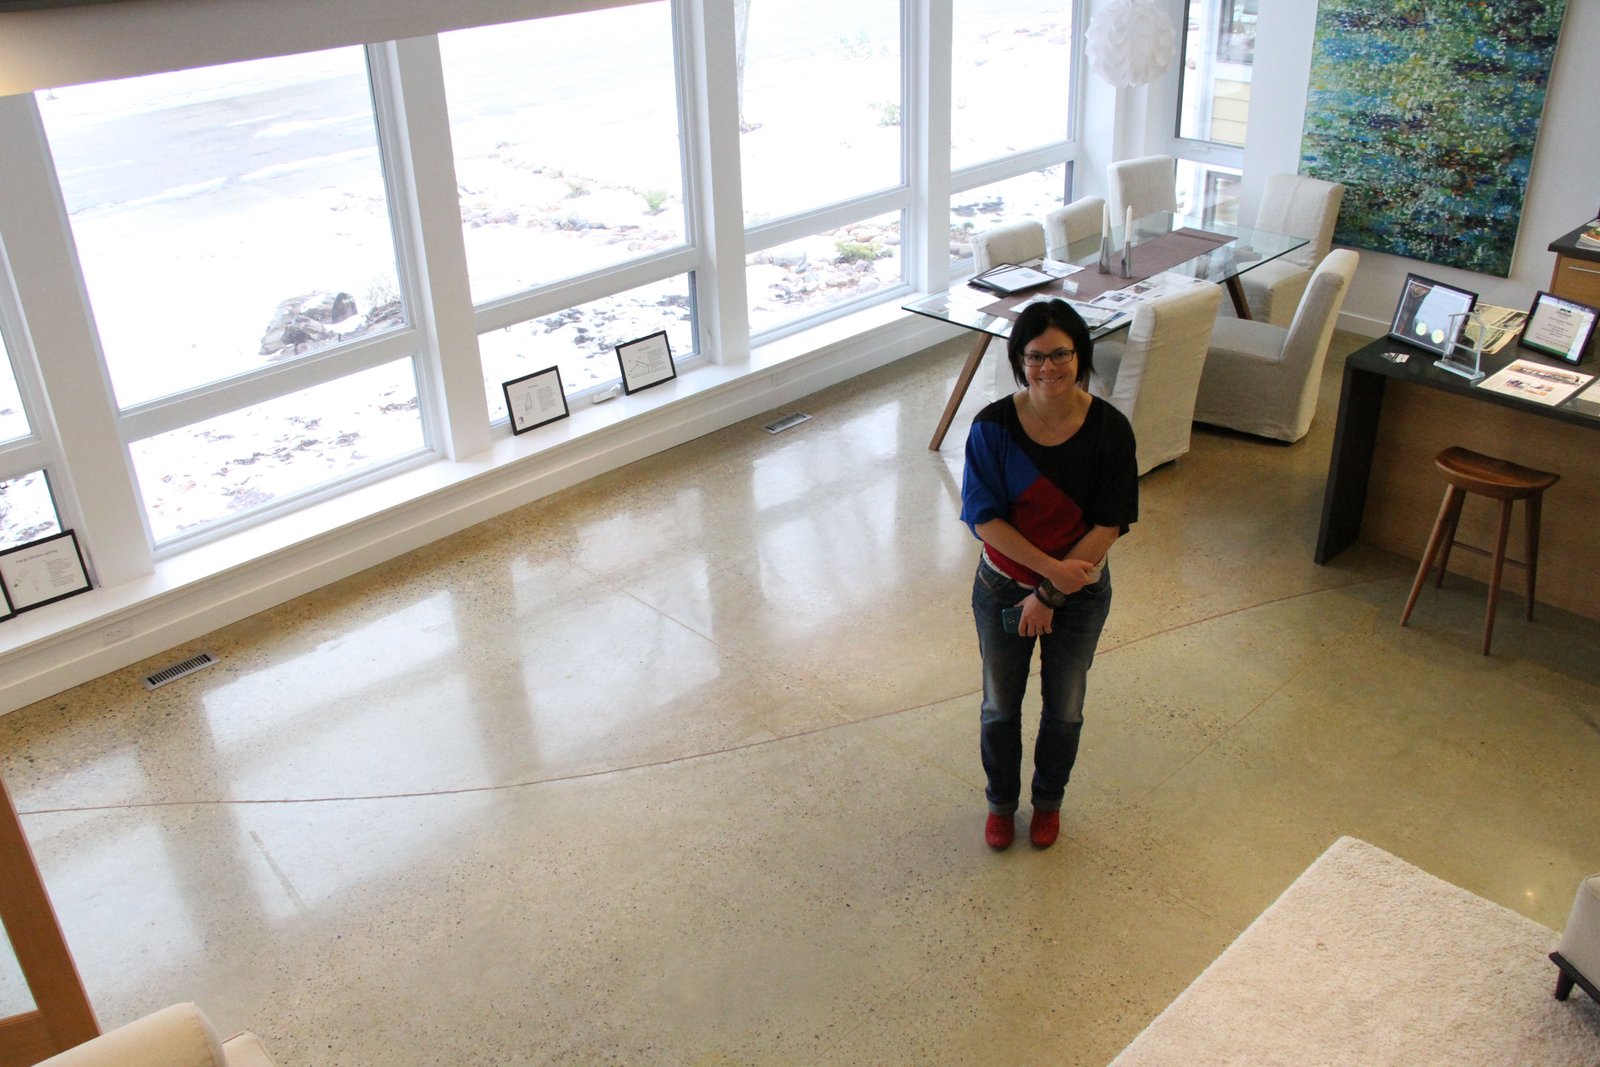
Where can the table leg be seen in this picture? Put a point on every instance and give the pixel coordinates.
(1236, 291)
(959, 391)
(1355, 438)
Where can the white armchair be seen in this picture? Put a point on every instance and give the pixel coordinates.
(1147, 184)
(1154, 378)
(1074, 222)
(1301, 207)
(179, 1036)
(1263, 379)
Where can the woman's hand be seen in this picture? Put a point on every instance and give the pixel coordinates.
(1070, 575)
(1036, 618)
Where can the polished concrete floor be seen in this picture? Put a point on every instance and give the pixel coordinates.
(681, 767)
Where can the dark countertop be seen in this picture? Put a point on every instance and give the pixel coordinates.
(1419, 370)
(1567, 245)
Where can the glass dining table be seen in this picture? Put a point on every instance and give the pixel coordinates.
(1204, 251)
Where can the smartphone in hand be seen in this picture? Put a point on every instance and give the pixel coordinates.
(1010, 618)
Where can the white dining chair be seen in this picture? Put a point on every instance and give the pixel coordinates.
(1155, 377)
(1147, 184)
(1300, 206)
(1015, 242)
(1077, 221)
(1263, 379)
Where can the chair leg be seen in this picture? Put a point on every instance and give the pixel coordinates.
(1455, 497)
(1452, 500)
(1531, 553)
(1495, 572)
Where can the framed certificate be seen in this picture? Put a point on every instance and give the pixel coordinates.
(646, 362)
(535, 399)
(1431, 314)
(1559, 328)
(44, 571)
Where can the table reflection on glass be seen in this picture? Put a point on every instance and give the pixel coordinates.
(1222, 263)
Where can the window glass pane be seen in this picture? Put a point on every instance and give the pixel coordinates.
(1219, 48)
(249, 458)
(565, 132)
(1208, 191)
(581, 340)
(835, 267)
(1027, 196)
(13, 420)
(819, 103)
(1010, 77)
(226, 218)
(27, 510)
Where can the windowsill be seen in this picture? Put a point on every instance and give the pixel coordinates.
(557, 452)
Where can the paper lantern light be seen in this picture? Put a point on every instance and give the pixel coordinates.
(1131, 43)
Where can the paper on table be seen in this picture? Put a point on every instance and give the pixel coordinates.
(1537, 382)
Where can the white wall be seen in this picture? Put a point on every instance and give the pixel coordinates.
(1563, 188)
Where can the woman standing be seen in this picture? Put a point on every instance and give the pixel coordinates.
(1050, 484)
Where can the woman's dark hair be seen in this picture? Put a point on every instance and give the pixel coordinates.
(1035, 320)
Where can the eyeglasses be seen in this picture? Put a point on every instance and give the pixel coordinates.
(1058, 357)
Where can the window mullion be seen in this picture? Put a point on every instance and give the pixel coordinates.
(711, 126)
(419, 163)
(930, 54)
(97, 483)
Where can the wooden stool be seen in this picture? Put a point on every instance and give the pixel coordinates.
(1471, 472)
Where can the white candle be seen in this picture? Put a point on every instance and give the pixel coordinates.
(1105, 222)
(1127, 227)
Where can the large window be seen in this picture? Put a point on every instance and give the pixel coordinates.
(274, 305)
(1011, 114)
(235, 236)
(1214, 105)
(1010, 77)
(822, 151)
(569, 162)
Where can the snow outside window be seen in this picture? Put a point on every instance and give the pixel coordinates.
(1010, 77)
(565, 133)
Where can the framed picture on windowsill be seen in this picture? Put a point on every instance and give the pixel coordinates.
(6, 610)
(536, 399)
(1430, 314)
(44, 571)
(646, 362)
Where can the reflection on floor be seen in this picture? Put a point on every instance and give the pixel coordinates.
(681, 767)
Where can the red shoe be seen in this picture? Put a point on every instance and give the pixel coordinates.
(1045, 827)
(999, 831)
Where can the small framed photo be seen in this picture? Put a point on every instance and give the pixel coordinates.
(1560, 328)
(646, 362)
(535, 399)
(1431, 314)
(44, 571)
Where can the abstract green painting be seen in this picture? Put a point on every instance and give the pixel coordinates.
(1427, 111)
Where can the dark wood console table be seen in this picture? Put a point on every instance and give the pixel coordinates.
(1395, 417)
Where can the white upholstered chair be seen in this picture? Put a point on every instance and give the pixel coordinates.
(1302, 207)
(1077, 221)
(1153, 380)
(1263, 379)
(1146, 184)
(179, 1036)
(1015, 242)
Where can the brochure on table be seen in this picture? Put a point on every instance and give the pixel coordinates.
(1538, 382)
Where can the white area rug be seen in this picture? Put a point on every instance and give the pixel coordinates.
(1367, 960)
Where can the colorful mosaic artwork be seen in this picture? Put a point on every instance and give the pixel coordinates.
(1427, 111)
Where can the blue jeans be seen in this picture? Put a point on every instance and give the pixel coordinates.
(1064, 658)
